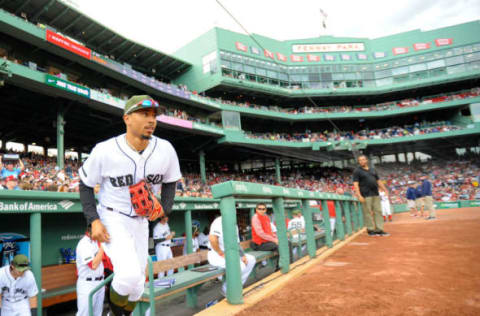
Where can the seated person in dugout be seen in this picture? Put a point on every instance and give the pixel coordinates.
(216, 254)
(263, 238)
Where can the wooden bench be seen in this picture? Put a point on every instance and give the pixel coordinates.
(188, 280)
(59, 284)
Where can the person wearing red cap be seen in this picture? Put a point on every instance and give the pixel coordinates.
(11, 183)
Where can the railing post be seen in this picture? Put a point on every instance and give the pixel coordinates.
(232, 257)
(360, 214)
(188, 231)
(348, 217)
(326, 224)
(354, 214)
(339, 222)
(307, 215)
(283, 249)
(252, 213)
(36, 250)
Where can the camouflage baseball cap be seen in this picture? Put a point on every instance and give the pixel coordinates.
(296, 212)
(138, 102)
(20, 262)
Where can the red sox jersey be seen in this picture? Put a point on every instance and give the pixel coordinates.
(116, 166)
(16, 292)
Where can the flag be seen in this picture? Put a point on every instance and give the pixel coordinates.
(281, 57)
(296, 58)
(268, 54)
(241, 46)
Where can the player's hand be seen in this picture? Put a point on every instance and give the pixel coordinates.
(361, 199)
(99, 232)
(276, 241)
(173, 234)
(244, 260)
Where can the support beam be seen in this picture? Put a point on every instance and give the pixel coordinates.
(90, 40)
(108, 41)
(25, 2)
(283, 249)
(40, 12)
(85, 30)
(59, 16)
(36, 251)
(60, 139)
(118, 47)
(126, 51)
(203, 173)
(72, 23)
(277, 171)
(309, 230)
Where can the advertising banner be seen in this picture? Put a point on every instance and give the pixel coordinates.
(313, 57)
(443, 205)
(268, 54)
(241, 46)
(281, 57)
(379, 55)
(296, 58)
(255, 50)
(328, 57)
(362, 56)
(175, 121)
(443, 41)
(345, 57)
(12, 244)
(67, 44)
(421, 46)
(319, 48)
(67, 86)
(400, 50)
(44, 206)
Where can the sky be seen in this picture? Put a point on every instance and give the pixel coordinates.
(168, 25)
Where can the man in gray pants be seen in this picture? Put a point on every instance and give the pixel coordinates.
(366, 183)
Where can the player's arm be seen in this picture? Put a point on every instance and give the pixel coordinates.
(22, 166)
(96, 260)
(168, 196)
(1, 167)
(357, 192)
(215, 245)
(382, 186)
(33, 305)
(87, 198)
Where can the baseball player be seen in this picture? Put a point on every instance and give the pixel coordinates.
(162, 237)
(195, 242)
(90, 274)
(216, 255)
(130, 169)
(18, 288)
(386, 208)
(297, 223)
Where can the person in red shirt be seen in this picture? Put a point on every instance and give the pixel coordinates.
(263, 238)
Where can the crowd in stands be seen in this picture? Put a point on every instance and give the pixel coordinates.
(366, 134)
(452, 180)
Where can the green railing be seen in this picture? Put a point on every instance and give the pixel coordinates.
(228, 192)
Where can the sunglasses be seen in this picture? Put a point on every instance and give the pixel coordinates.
(261, 208)
(148, 103)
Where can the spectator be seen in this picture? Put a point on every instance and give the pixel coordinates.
(263, 238)
(366, 182)
(10, 168)
(11, 183)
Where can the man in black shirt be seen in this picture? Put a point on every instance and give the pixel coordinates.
(366, 183)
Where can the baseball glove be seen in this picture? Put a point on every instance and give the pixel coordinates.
(144, 201)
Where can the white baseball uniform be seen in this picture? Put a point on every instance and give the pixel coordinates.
(88, 278)
(216, 260)
(116, 166)
(386, 209)
(16, 293)
(202, 240)
(297, 223)
(195, 245)
(162, 249)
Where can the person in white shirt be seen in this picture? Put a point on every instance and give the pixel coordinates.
(162, 237)
(203, 238)
(18, 288)
(216, 255)
(195, 242)
(297, 223)
(90, 274)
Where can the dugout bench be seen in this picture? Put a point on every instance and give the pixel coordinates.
(59, 284)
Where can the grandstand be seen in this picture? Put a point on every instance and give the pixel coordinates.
(252, 109)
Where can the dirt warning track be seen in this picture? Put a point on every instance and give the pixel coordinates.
(423, 268)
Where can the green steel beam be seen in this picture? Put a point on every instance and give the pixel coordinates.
(145, 61)
(283, 249)
(326, 224)
(348, 217)
(232, 256)
(60, 139)
(277, 171)
(339, 222)
(44, 8)
(125, 42)
(36, 251)
(25, 2)
(203, 173)
(72, 23)
(59, 16)
(108, 41)
(126, 51)
(85, 30)
(90, 40)
(309, 230)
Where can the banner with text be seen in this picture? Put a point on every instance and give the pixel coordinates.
(320, 48)
(67, 44)
(67, 86)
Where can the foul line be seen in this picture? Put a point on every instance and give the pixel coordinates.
(274, 282)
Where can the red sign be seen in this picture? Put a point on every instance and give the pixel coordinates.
(296, 58)
(281, 57)
(268, 54)
(421, 46)
(241, 46)
(443, 41)
(313, 58)
(69, 45)
(400, 50)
